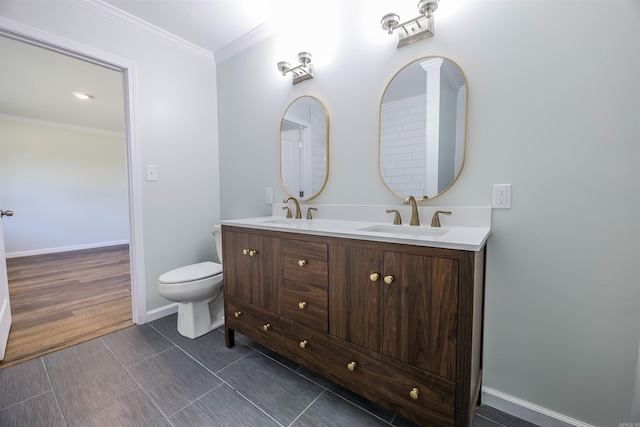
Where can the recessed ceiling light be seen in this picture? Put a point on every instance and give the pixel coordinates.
(83, 96)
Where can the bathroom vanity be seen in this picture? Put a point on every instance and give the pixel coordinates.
(394, 318)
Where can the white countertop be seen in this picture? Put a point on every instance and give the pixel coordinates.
(454, 237)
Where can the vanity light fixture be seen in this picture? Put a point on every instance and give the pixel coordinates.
(302, 72)
(414, 29)
(83, 96)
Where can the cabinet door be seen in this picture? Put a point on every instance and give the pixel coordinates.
(354, 300)
(267, 273)
(420, 311)
(253, 269)
(237, 275)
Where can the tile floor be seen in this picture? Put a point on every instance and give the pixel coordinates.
(149, 375)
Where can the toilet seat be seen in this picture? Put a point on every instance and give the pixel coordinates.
(191, 273)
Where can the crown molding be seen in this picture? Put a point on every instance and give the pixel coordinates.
(254, 36)
(138, 24)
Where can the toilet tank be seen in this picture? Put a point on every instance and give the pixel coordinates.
(217, 232)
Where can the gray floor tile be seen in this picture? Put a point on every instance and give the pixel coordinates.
(136, 343)
(480, 421)
(88, 382)
(22, 381)
(41, 411)
(88, 385)
(332, 411)
(399, 421)
(173, 380)
(208, 349)
(502, 418)
(354, 398)
(75, 353)
(168, 326)
(222, 407)
(133, 409)
(275, 389)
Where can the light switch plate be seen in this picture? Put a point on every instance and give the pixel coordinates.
(501, 196)
(268, 193)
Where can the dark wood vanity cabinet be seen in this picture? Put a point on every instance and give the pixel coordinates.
(399, 324)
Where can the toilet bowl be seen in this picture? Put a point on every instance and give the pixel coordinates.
(197, 288)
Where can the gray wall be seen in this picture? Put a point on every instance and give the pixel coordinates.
(67, 186)
(178, 132)
(553, 109)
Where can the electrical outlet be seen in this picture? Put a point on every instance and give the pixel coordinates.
(501, 196)
(268, 196)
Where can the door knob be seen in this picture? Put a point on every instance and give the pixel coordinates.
(5, 213)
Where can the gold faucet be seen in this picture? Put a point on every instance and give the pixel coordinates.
(415, 220)
(298, 214)
(397, 219)
(435, 221)
(309, 216)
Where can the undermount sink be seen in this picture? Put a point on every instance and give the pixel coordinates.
(280, 221)
(406, 230)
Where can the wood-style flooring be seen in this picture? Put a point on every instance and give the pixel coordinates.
(62, 299)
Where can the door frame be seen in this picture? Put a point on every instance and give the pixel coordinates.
(31, 35)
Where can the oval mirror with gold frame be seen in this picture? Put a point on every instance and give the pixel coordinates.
(422, 128)
(304, 148)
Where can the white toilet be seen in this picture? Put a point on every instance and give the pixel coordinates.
(197, 288)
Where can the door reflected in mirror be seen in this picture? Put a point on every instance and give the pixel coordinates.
(422, 128)
(304, 148)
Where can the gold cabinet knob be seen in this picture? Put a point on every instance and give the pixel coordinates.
(414, 393)
(266, 326)
(245, 251)
(302, 305)
(303, 344)
(388, 279)
(237, 314)
(302, 262)
(252, 252)
(374, 277)
(351, 366)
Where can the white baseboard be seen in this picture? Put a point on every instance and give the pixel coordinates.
(527, 411)
(65, 249)
(161, 312)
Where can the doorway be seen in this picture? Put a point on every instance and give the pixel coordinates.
(53, 44)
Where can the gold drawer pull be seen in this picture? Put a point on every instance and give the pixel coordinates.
(266, 326)
(388, 279)
(252, 252)
(302, 305)
(245, 251)
(414, 393)
(351, 366)
(374, 277)
(237, 314)
(303, 344)
(302, 262)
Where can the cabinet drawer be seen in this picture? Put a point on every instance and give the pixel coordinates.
(305, 262)
(306, 304)
(382, 379)
(261, 326)
(308, 344)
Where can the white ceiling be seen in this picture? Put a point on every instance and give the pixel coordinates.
(36, 83)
